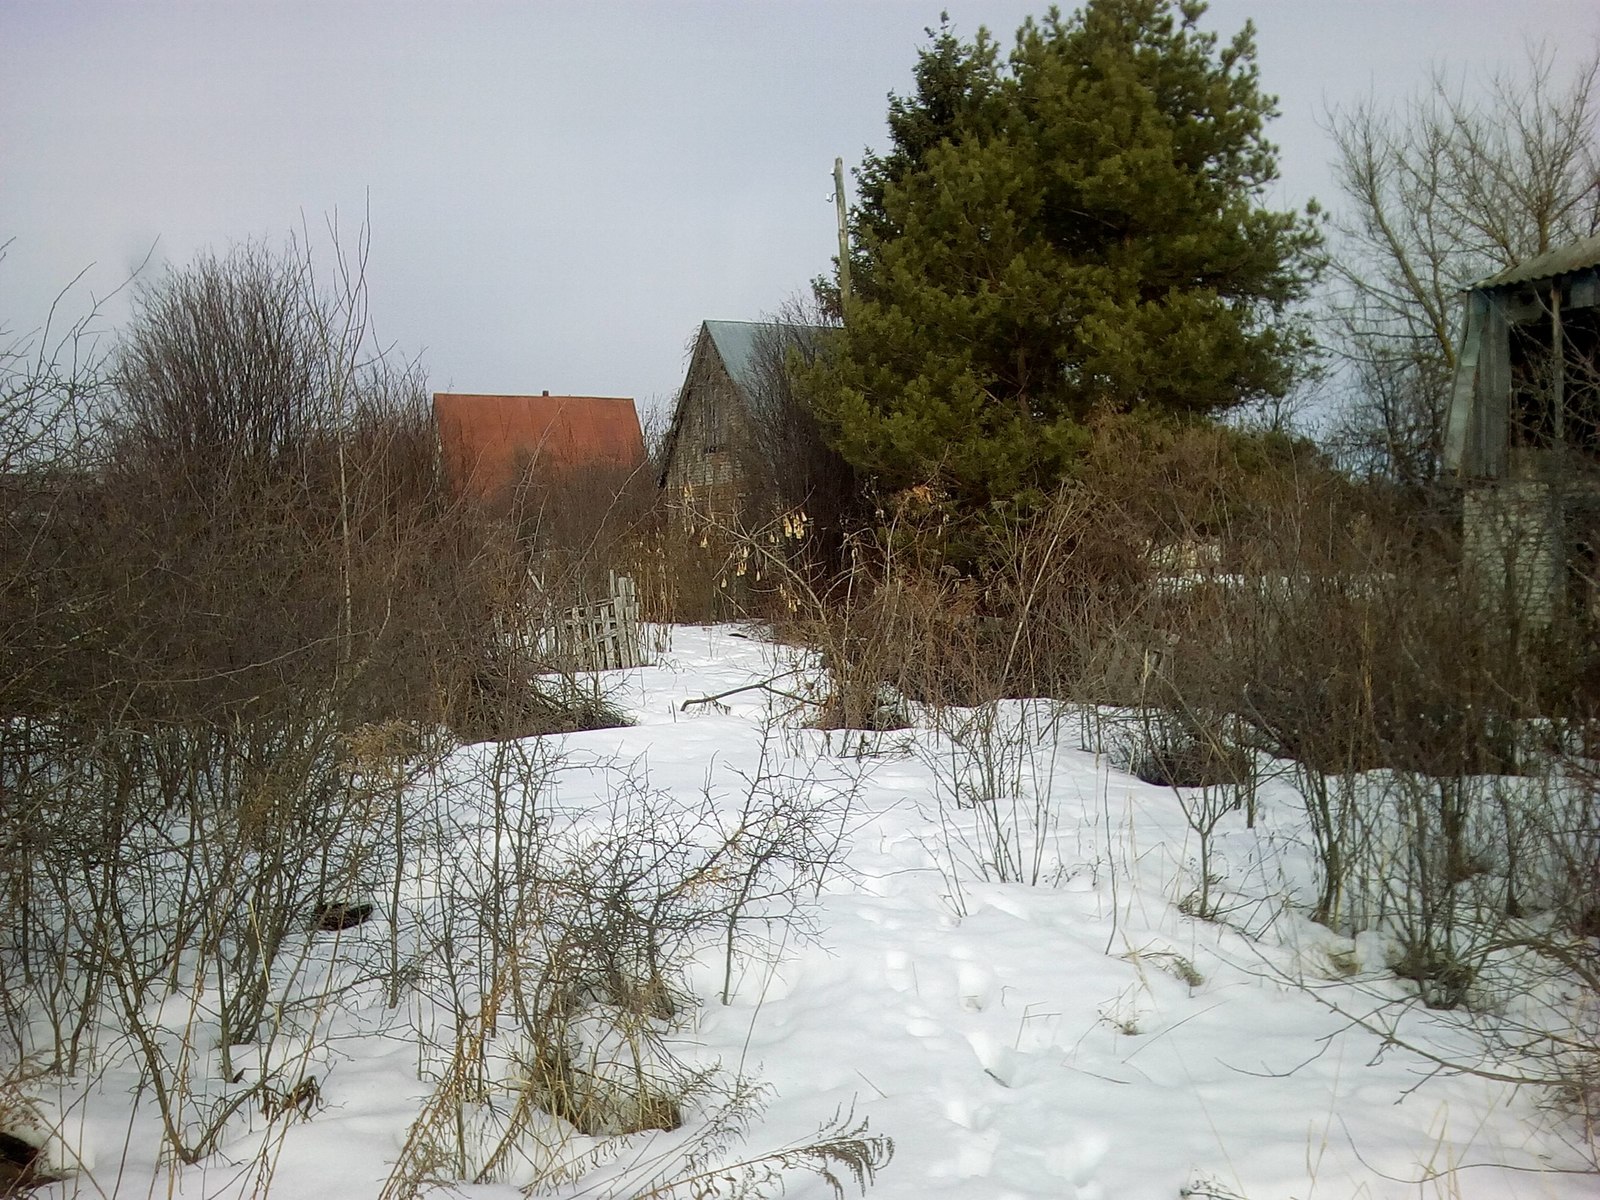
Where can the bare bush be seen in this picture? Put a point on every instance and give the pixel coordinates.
(1225, 606)
(557, 952)
(244, 629)
(250, 562)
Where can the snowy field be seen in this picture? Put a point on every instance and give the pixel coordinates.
(1077, 1037)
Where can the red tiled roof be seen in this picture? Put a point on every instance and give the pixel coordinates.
(487, 442)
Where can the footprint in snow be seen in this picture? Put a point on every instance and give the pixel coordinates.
(899, 971)
(1078, 1160)
(975, 985)
(998, 1060)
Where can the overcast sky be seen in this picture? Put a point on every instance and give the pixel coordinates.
(558, 192)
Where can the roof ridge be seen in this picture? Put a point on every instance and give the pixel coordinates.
(534, 396)
(786, 324)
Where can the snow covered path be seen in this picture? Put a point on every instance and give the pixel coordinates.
(1083, 1040)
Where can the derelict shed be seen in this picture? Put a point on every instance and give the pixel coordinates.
(741, 441)
(1523, 433)
(490, 445)
(711, 423)
(1527, 385)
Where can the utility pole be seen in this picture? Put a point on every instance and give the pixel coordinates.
(844, 237)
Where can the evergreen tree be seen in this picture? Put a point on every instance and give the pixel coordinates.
(955, 87)
(1078, 232)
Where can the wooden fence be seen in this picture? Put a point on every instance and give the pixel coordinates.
(603, 636)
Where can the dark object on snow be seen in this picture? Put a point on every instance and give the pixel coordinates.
(303, 1098)
(1190, 764)
(503, 704)
(1443, 980)
(19, 1166)
(331, 918)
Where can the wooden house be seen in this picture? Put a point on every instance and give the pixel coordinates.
(491, 445)
(1523, 433)
(715, 451)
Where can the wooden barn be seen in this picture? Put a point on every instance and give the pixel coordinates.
(714, 448)
(491, 445)
(1523, 433)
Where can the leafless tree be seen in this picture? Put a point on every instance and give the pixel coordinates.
(792, 468)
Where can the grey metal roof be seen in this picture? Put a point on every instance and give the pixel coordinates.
(1561, 261)
(737, 343)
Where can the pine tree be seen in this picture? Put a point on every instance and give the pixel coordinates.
(1080, 231)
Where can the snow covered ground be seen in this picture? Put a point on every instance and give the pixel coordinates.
(1077, 1038)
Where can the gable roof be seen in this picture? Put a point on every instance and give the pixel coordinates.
(486, 442)
(737, 344)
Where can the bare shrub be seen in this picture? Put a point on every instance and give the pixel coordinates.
(557, 952)
(275, 502)
(1226, 605)
(202, 862)
(1333, 633)
(247, 617)
(251, 562)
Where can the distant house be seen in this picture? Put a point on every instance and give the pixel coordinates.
(714, 446)
(1523, 432)
(491, 445)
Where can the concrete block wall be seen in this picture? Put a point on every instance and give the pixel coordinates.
(1514, 549)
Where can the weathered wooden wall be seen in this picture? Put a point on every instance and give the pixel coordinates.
(703, 471)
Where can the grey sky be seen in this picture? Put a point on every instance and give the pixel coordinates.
(558, 193)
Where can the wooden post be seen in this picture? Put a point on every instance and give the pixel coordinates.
(844, 236)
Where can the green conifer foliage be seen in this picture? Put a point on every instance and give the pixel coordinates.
(1079, 231)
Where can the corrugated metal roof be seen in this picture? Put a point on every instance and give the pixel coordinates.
(486, 442)
(1561, 261)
